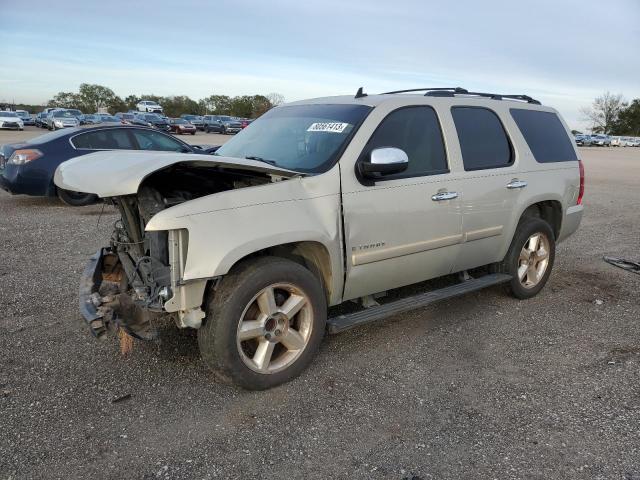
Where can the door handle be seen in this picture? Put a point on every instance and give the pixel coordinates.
(515, 183)
(440, 196)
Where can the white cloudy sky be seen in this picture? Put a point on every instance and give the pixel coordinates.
(563, 52)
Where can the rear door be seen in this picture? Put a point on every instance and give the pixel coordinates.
(490, 182)
(397, 232)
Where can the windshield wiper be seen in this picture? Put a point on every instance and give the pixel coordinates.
(260, 159)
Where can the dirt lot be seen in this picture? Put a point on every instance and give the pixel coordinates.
(484, 386)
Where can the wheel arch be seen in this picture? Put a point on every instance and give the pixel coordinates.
(311, 254)
(548, 210)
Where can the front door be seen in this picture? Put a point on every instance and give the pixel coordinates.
(407, 227)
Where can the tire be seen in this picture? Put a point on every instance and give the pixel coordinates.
(193, 133)
(515, 260)
(235, 302)
(76, 199)
(223, 130)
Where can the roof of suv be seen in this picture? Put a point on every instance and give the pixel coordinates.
(445, 98)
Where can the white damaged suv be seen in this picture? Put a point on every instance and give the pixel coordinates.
(325, 201)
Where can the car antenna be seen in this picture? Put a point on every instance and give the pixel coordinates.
(360, 93)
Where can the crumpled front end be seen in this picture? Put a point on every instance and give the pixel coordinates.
(138, 277)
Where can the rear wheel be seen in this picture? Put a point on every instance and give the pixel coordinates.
(264, 323)
(530, 257)
(76, 199)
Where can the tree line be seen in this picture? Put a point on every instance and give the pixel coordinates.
(612, 115)
(91, 98)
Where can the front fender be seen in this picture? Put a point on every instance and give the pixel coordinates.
(226, 227)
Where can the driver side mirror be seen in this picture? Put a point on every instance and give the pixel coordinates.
(384, 161)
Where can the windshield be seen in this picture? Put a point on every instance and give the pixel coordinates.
(7, 114)
(224, 119)
(23, 114)
(304, 138)
(63, 114)
(108, 118)
(180, 121)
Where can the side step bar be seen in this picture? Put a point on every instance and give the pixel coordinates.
(345, 322)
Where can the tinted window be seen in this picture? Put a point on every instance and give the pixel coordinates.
(113, 139)
(483, 141)
(416, 131)
(148, 140)
(545, 135)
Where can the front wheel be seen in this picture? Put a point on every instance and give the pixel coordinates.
(76, 199)
(530, 257)
(264, 323)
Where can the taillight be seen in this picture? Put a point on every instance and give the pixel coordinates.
(581, 192)
(20, 157)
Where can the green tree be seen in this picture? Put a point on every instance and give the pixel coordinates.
(629, 120)
(176, 106)
(94, 97)
(262, 104)
(131, 101)
(65, 100)
(603, 113)
(216, 104)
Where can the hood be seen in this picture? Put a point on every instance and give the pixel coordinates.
(115, 173)
(9, 119)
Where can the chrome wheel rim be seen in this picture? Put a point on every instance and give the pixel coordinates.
(275, 328)
(533, 260)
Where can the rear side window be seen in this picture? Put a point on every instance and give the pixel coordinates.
(112, 139)
(483, 141)
(150, 140)
(545, 135)
(416, 131)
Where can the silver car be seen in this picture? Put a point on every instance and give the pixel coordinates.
(58, 119)
(601, 140)
(323, 202)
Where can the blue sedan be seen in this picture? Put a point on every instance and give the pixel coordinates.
(28, 168)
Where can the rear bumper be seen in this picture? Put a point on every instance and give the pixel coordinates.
(571, 221)
(17, 180)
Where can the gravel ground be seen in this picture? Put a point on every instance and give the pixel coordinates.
(483, 386)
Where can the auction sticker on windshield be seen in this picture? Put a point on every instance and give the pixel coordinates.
(335, 127)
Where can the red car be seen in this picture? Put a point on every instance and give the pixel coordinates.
(180, 125)
(246, 122)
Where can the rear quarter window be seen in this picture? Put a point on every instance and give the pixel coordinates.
(545, 135)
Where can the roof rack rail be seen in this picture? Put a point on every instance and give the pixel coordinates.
(453, 91)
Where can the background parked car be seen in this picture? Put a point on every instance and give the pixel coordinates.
(601, 140)
(26, 117)
(41, 120)
(151, 120)
(181, 125)
(616, 141)
(583, 140)
(91, 119)
(109, 119)
(196, 120)
(61, 119)
(222, 123)
(11, 120)
(28, 168)
(211, 123)
(126, 118)
(148, 106)
(245, 122)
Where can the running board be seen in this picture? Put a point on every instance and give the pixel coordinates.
(345, 322)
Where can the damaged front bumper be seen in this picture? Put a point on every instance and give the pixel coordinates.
(102, 304)
(107, 302)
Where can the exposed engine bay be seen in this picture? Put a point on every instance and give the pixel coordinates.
(127, 283)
